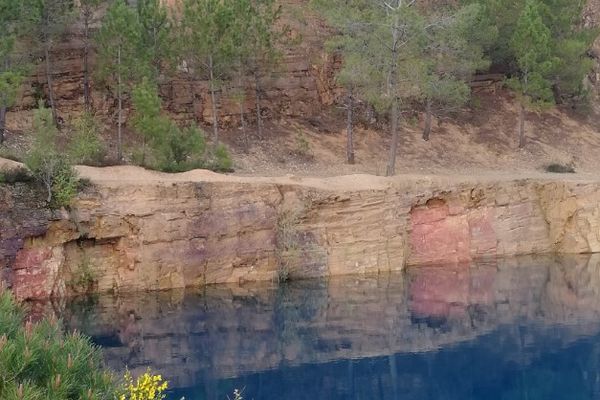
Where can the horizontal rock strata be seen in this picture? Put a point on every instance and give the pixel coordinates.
(165, 233)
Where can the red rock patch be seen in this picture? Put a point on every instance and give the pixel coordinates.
(436, 237)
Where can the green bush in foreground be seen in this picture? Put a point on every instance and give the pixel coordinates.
(40, 362)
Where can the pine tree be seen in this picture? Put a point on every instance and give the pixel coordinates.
(88, 9)
(155, 45)
(207, 37)
(118, 56)
(262, 42)
(11, 73)
(387, 46)
(354, 75)
(569, 42)
(531, 43)
(454, 52)
(52, 17)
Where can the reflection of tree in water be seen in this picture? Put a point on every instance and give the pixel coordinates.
(493, 333)
(296, 304)
(81, 313)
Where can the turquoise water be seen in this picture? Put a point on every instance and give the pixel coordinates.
(516, 329)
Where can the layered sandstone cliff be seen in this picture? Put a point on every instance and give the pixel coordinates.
(138, 230)
(301, 83)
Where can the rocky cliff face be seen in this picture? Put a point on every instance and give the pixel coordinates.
(199, 228)
(22, 216)
(303, 82)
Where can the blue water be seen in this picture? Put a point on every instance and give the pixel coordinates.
(517, 329)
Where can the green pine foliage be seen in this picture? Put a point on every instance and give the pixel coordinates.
(48, 165)
(85, 146)
(168, 147)
(12, 65)
(531, 45)
(118, 61)
(569, 42)
(207, 42)
(40, 362)
(156, 40)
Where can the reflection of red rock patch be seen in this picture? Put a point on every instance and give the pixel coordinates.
(447, 292)
(437, 237)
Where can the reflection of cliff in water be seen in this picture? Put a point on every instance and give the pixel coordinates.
(230, 331)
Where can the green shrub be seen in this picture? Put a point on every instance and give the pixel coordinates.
(15, 175)
(560, 168)
(288, 244)
(83, 278)
(181, 149)
(222, 159)
(166, 146)
(85, 146)
(48, 166)
(56, 175)
(302, 145)
(38, 361)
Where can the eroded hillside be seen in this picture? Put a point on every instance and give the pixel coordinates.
(304, 127)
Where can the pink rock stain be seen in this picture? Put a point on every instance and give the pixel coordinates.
(436, 237)
(29, 278)
(439, 236)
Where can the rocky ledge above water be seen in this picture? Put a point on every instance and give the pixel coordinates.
(139, 230)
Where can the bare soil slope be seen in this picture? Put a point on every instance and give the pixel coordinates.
(477, 140)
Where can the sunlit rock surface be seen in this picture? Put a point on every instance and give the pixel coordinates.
(190, 231)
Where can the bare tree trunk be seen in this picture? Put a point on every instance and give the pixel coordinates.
(3, 106)
(350, 129)
(427, 129)
(120, 114)
(391, 167)
(395, 112)
(48, 64)
(213, 98)
(258, 110)
(2, 121)
(242, 96)
(522, 126)
(86, 51)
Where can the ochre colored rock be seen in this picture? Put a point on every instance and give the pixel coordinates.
(173, 231)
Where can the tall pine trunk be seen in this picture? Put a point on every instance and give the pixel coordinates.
(120, 113)
(259, 122)
(48, 64)
(2, 120)
(395, 111)
(395, 115)
(522, 126)
(242, 96)
(427, 129)
(3, 107)
(86, 51)
(213, 99)
(350, 128)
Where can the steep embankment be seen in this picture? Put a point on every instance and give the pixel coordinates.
(304, 131)
(140, 230)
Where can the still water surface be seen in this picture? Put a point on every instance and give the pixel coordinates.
(516, 329)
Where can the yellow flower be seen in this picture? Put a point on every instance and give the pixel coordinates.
(146, 387)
